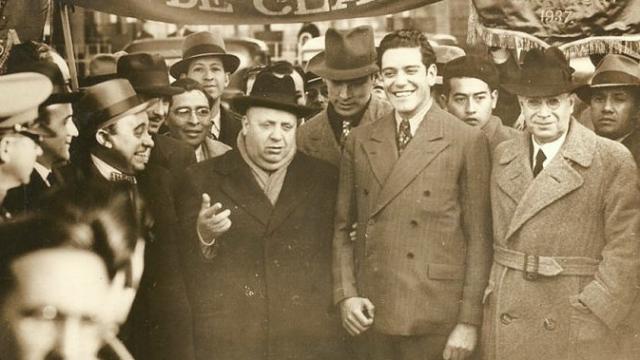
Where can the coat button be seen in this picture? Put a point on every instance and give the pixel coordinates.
(506, 319)
(427, 193)
(549, 324)
(366, 191)
(410, 255)
(371, 222)
(414, 223)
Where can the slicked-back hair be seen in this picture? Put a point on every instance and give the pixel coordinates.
(407, 39)
(188, 84)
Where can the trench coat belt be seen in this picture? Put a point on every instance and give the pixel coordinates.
(533, 265)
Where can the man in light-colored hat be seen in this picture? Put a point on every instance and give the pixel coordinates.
(205, 60)
(20, 134)
(566, 216)
(348, 67)
(259, 221)
(614, 96)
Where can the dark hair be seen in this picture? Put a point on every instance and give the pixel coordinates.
(407, 39)
(188, 84)
(470, 66)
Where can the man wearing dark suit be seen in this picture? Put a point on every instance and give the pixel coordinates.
(56, 113)
(348, 66)
(614, 96)
(416, 182)
(471, 94)
(205, 60)
(259, 221)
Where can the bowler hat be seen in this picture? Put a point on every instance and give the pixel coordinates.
(19, 111)
(147, 73)
(613, 70)
(271, 91)
(204, 44)
(104, 103)
(348, 54)
(543, 73)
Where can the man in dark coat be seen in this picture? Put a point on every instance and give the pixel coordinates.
(205, 60)
(259, 221)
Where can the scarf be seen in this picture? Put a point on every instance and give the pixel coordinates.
(270, 180)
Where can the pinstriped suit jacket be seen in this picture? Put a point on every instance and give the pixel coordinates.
(422, 253)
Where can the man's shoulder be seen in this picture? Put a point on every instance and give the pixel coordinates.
(314, 123)
(364, 130)
(217, 165)
(229, 114)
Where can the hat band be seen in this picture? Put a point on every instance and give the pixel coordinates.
(139, 79)
(337, 61)
(203, 49)
(614, 77)
(114, 110)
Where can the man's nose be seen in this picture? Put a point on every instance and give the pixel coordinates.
(608, 105)
(147, 140)
(68, 343)
(471, 107)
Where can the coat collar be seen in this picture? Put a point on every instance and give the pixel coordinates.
(559, 178)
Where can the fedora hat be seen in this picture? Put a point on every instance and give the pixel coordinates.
(348, 54)
(105, 103)
(19, 112)
(203, 44)
(613, 70)
(274, 92)
(147, 73)
(543, 73)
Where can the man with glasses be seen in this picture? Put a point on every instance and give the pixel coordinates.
(565, 223)
(348, 66)
(189, 119)
(20, 134)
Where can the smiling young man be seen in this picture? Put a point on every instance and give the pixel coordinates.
(416, 182)
(205, 60)
(566, 214)
(348, 67)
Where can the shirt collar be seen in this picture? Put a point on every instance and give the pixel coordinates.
(416, 119)
(103, 168)
(549, 149)
(43, 171)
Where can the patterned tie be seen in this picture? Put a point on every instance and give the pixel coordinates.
(404, 135)
(346, 129)
(540, 158)
(123, 177)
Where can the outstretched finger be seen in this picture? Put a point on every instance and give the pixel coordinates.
(211, 210)
(206, 201)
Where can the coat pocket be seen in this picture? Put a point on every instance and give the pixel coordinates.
(591, 338)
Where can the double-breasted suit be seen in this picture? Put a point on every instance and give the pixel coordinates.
(422, 253)
(316, 138)
(574, 229)
(267, 292)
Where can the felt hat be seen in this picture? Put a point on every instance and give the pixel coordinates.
(348, 54)
(613, 70)
(147, 73)
(204, 44)
(472, 66)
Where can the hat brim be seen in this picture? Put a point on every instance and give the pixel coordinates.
(63, 98)
(159, 91)
(97, 79)
(538, 90)
(131, 111)
(242, 103)
(584, 92)
(230, 62)
(318, 66)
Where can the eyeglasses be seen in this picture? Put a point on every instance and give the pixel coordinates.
(185, 112)
(535, 103)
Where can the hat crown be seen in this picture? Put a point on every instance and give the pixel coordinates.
(349, 49)
(271, 87)
(203, 42)
(472, 66)
(143, 70)
(616, 70)
(548, 68)
(107, 100)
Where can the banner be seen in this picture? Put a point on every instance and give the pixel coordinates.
(217, 12)
(579, 27)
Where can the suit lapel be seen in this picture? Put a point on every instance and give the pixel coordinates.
(323, 139)
(240, 185)
(428, 142)
(515, 172)
(381, 149)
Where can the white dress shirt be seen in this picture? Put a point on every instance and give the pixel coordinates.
(215, 127)
(549, 149)
(43, 171)
(415, 120)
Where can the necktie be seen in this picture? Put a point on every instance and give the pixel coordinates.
(51, 179)
(123, 177)
(404, 135)
(346, 129)
(540, 158)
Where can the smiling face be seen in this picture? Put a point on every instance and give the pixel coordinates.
(270, 135)
(407, 81)
(614, 111)
(547, 118)
(471, 100)
(209, 72)
(189, 117)
(348, 97)
(129, 143)
(60, 121)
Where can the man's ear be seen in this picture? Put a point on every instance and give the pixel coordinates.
(5, 144)
(494, 98)
(226, 80)
(442, 101)
(432, 73)
(103, 138)
(245, 125)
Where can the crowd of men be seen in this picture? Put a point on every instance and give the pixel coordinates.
(149, 219)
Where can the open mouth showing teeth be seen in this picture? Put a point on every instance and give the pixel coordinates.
(402, 93)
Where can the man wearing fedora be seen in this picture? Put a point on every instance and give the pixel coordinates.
(20, 133)
(260, 221)
(56, 114)
(614, 98)
(470, 93)
(409, 286)
(149, 77)
(348, 66)
(565, 222)
(205, 60)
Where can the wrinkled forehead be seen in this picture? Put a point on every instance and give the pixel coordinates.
(206, 61)
(265, 114)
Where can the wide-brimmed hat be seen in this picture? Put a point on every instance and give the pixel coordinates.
(19, 110)
(104, 103)
(613, 70)
(348, 54)
(544, 73)
(147, 73)
(271, 91)
(203, 44)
